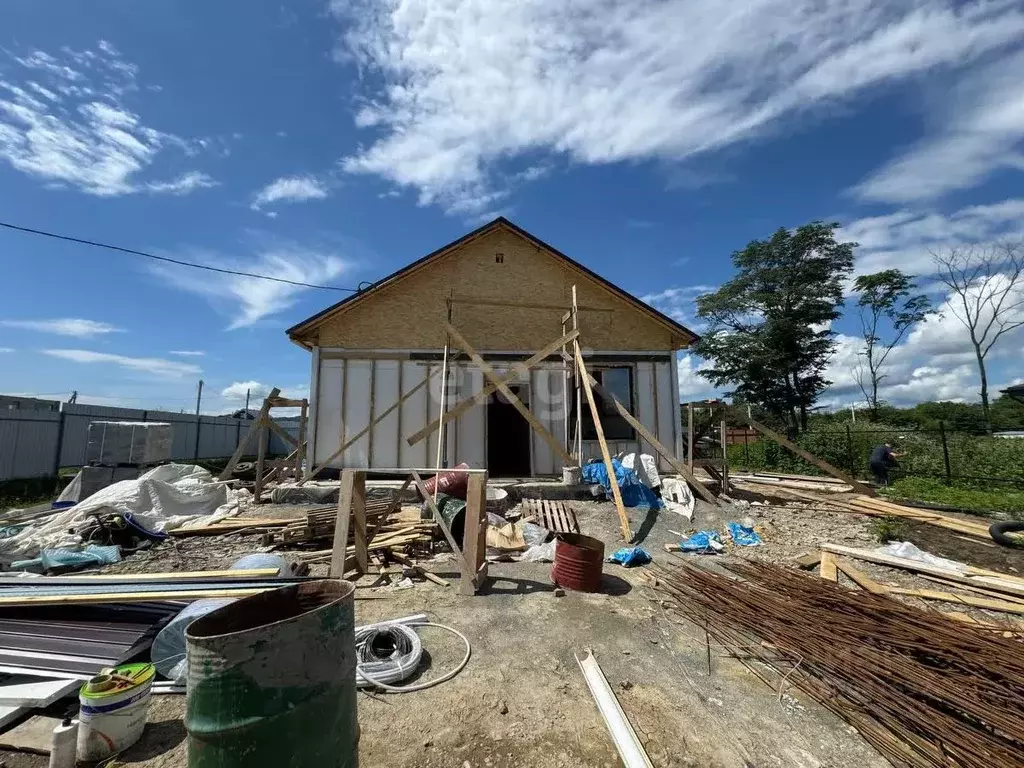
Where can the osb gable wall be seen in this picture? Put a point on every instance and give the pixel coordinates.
(410, 314)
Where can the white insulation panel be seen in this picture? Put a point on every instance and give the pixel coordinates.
(373, 386)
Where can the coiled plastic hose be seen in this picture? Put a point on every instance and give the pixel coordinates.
(998, 533)
(376, 672)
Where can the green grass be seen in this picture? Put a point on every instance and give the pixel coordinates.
(888, 529)
(1003, 500)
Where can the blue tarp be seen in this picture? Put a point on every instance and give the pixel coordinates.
(634, 493)
(703, 542)
(630, 556)
(744, 536)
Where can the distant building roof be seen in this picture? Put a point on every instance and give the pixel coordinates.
(1016, 392)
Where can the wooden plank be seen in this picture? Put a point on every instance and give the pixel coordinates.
(359, 521)
(990, 604)
(660, 447)
(860, 578)
(725, 459)
(338, 552)
(261, 458)
(134, 597)
(250, 573)
(474, 540)
(620, 509)
(347, 444)
(468, 572)
(240, 450)
(689, 436)
(284, 402)
(301, 448)
(464, 405)
(809, 561)
(824, 466)
(828, 570)
(491, 374)
(521, 305)
(1000, 584)
(280, 432)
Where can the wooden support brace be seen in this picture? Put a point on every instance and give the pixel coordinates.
(627, 534)
(829, 571)
(491, 374)
(474, 539)
(468, 572)
(464, 405)
(341, 526)
(658, 446)
(253, 428)
(824, 466)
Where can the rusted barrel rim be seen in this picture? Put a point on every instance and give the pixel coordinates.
(271, 608)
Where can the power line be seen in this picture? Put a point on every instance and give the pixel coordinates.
(179, 262)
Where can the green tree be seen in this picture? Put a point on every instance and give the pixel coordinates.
(885, 299)
(769, 326)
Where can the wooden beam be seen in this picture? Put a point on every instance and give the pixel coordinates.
(310, 474)
(521, 305)
(442, 406)
(284, 402)
(824, 466)
(828, 567)
(464, 405)
(474, 539)
(725, 458)
(280, 431)
(516, 403)
(860, 578)
(467, 570)
(620, 509)
(300, 450)
(658, 446)
(359, 521)
(995, 583)
(975, 602)
(261, 457)
(240, 450)
(140, 597)
(339, 550)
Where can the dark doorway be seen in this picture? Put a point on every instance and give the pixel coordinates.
(508, 437)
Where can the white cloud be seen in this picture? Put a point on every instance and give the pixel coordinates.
(906, 239)
(67, 326)
(247, 299)
(981, 131)
(4, 350)
(186, 353)
(152, 365)
(459, 89)
(235, 392)
(678, 303)
(692, 386)
(290, 189)
(74, 128)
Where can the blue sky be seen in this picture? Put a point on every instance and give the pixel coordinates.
(333, 143)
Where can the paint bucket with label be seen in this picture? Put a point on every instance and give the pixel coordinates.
(112, 710)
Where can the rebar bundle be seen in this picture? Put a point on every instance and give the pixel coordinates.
(923, 689)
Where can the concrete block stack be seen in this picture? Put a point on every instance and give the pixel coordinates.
(122, 450)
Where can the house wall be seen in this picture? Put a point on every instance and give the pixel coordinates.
(350, 391)
(410, 313)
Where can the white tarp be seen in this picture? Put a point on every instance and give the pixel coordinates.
(646, 468)
(677, 497)
(169, 496)
(909, 551)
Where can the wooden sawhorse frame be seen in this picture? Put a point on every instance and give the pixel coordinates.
(470, 557)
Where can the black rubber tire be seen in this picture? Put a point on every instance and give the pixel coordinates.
(998, 533)
(244, 470)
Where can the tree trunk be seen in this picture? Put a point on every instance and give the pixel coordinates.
(874, 397)
(984, 391)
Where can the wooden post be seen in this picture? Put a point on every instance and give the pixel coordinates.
(466, 568)
(300, 452)
(474, 541)
(444, 392)
(689, 437)
(359, 520)
(340, 548)
(565, 395)
(627, 534)
(261, 458)
(579, 393)
(725, 460)
(240, 449)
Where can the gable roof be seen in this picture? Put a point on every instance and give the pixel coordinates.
(501, 222)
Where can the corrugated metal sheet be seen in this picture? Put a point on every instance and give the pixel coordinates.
(28, 443)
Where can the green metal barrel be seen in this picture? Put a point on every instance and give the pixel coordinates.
(272, 681)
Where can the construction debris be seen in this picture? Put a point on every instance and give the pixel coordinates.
(923, 690)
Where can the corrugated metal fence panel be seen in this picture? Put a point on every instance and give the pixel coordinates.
(28, 443)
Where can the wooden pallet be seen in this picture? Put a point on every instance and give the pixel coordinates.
(553, 515)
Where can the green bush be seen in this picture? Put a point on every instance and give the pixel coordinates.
(1002, 500)
(969, 456)
(888, 529)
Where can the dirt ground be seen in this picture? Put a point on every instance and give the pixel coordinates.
(522, 699)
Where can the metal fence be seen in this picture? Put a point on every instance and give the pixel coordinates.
(39, 443)
(952, 457)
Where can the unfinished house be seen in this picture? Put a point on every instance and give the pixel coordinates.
(380, 371)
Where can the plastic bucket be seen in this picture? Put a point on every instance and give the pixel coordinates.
(272, 681)
(112, 714)
(579, 562)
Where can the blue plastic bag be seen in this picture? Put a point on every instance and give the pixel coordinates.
(744, 536)
(630, 556)
(702, 542)
(634, 493)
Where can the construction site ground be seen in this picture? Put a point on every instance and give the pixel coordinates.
(522, 700)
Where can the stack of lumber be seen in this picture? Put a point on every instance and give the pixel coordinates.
(553, 515)
(876, 507)
(397, 533)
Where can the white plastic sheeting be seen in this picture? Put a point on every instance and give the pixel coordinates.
(170, 496)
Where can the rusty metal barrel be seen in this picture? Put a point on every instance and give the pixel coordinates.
(272, 681)
(579, 561)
